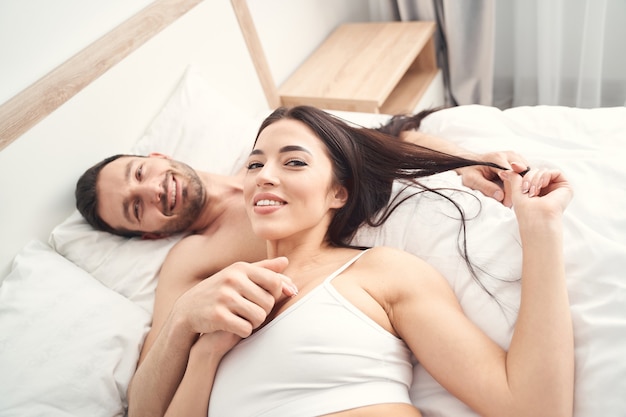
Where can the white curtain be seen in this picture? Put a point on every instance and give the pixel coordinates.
(526, 52)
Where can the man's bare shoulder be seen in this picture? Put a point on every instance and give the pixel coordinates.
(189, 257)
(192, 242)
(187, 247)
(197, 256)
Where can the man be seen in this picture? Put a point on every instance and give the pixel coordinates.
(155, 197)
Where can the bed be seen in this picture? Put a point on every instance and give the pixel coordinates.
(76, 304)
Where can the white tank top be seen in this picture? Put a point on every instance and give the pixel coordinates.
(321, 355)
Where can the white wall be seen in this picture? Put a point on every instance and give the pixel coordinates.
(39, 170)
(290, 30)
(38, 35)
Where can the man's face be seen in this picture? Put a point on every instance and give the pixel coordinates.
(153, 195)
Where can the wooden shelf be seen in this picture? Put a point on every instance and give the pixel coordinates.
(367, 67)
(376, 67)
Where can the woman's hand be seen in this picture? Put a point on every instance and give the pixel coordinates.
(237, 299)
(539, 192)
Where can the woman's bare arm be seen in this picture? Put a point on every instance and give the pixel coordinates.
(536, 376)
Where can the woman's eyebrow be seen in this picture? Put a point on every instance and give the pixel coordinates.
(294, 148)
(288, 148)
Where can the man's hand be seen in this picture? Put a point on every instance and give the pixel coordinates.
(483, 179)
(486, 179)
(237, 299)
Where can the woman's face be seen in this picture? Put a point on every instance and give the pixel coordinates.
(289, 188)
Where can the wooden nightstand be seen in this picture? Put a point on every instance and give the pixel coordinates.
(365, 67)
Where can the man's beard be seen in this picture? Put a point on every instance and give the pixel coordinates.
(193, 197)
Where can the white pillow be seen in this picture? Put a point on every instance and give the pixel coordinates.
(202, 127)
(68, 346)
(127, 266)
(199, 126)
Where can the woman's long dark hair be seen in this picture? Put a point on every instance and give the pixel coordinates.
(367, 162)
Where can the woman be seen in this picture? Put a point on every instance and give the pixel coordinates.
(342, 345)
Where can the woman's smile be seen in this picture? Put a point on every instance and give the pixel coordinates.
(266, 203)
